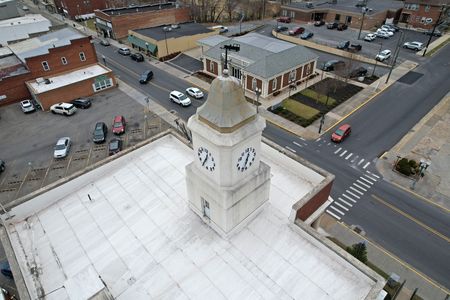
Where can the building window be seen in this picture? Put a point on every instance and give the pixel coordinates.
(211, 66)
(292, 14)
(411, 6)
(427, 8)
(235, 72)
(292, 75)
(417, 19)
(254, 84)
(274, 84)
(45, 66)
(102, 84)
(337, 17)
(82, 56)
(64, 60)
(423, 20)
(284, 13)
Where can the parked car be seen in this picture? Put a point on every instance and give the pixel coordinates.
(179, 98)
(27, 106)
(413, 45)
(370, 37)
(124, 51)
(296, 30)
(387, 28)
(332, 25)
(119, 125)
(358, 72)
(100, 132)
(382, 34)
(341, 133)
(385, 32)
(435, 33)
(383, 55)
(319, 23)
(281, 28)
(343, 45)
(63, 108)
(5, 269)
(284, 20)
(115, 146)
(146, 76)
(331, 65)
(194, 92)
(62, 147)
(81, 103)
(392, 26)
(355, 47)
(2, 165)
(104, 42)
(223, 29)
(306, 35)
(137, 57)
(342, 26)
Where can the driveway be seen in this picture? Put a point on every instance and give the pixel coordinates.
(186, 63)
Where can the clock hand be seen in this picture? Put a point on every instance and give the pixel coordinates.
(204, 161)
(246, 159)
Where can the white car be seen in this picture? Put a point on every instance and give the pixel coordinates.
(387, 28)
(63, 108)
(370, 37)
(413, 45)
(180, 98)
(383, 55)
(62, 147)
(27, 106)
(382, 34)
(194, 92)
(389, 33)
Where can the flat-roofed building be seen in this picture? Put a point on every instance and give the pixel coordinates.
(8, 9)
(17, 29)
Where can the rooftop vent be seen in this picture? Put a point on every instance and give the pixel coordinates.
(47, 81)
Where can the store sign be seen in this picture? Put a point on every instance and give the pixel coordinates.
(101, 78)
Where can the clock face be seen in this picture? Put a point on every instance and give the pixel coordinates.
(206, 159)
(246, 159)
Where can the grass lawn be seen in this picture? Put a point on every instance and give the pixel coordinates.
(318, 97)
(304, 111)
(90, 24)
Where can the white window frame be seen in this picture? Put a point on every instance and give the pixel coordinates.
(292, 14)
(427, 8)
(254, 84)
(63, 60)
(45, 65)
(82, 56)
(211, 66)
(101, 85)
(284, 13)
(292, 75)
(274, 84)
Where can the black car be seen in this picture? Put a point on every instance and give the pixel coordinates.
(358, 72)
(281, 28)
(5, 269)
(355, 47)
(100, 132)
(137, 57)
(81, 103)
(343, 45)
(2, 166)
(331, 65)
(146, 76)
(306, 35)
(342, 26)
(435, 33)
(332, 25)
(319, 23)
(115, 145)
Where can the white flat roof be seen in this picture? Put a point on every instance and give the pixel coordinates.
(129, 223)
(65, 79)
(20, 28)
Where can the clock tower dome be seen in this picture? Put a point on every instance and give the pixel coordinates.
(227, 183)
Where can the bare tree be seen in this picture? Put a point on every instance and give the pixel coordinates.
(230, 7)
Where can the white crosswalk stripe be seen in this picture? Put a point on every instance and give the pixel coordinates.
(366, 165)
(297, 144)
(359, 187)
(368, 181)
(290, 149)
(374, 179)
(348, 156)
(357, 191)
(361, 161)
(362, 183)
(333, 214)
(356, 196)
(303, 138)
(374, 175)
(348, 197)
(336, 152)
(341, 206)
(343, 153)
(343, 201)
(337, 210)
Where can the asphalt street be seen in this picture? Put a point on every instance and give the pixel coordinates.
(392, 218)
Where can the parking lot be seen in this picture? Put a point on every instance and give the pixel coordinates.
(28, 140)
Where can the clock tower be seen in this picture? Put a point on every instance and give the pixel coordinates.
(227, 183)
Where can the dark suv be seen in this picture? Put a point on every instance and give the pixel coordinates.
(343, 45)
(100, 132)
(331, 65)
(146, 76)
(137, 57)
(2, 166)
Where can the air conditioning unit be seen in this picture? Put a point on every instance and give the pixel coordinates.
(40, 80)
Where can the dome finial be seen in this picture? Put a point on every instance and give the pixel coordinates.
(225, 72)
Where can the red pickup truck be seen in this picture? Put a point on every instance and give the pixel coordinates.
(284, 19)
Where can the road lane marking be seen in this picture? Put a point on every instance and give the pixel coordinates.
(301, 138)
(362, 183)
(368, 181)
(351, 199)
(341, 206)
(343, 201)
(406, 265)
(434, 231)
(340, 212)
(297, 144)
(359, 187)
(89, 157)
(290, 149)
(359, 192)
(46, 173)
(332, 214)
(23, 181)
(374, 179)
(356, 196)
(335, 152)
(366, 165)
(374, 175)
(361, 161)
(348, 156)
(343, 153)
(68, 166)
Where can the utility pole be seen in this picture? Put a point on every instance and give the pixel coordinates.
(376, 61)
(364, 11)
(434, 28)
(397, 50)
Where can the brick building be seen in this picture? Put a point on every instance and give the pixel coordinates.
(43, 57)
(76, 8)
(422, 13)
(343, 11)
(262, 62)
(115, 22)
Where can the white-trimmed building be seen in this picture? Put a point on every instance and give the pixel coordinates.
(263, 62)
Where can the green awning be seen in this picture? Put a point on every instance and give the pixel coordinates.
(142, 44)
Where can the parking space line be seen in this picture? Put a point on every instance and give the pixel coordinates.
(46, 173)
(68, 165)
(89, 157)
(21, 184)
(7, 169)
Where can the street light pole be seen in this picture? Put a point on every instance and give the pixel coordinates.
(376, 61)
(322, 121)
(397, 50)
(258, 93)
(364, 11)
(423, 165)
(165, 39)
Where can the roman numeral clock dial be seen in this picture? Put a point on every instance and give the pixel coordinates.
(206, 159)
(246, 159)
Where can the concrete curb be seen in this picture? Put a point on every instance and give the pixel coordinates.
(435, 43)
